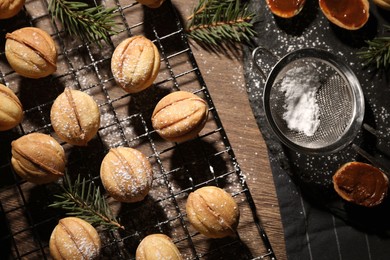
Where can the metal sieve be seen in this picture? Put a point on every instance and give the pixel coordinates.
(340, 101)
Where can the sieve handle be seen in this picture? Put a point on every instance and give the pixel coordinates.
(261, 53)
(371, 159)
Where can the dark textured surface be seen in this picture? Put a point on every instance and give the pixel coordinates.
(314, 217)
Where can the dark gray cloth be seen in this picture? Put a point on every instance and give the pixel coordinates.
(317, 223)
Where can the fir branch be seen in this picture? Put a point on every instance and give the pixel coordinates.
(79, 19)
(216, 21)
(377, 53)
(85, 201)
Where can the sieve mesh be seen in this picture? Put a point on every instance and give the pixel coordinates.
(339, 99)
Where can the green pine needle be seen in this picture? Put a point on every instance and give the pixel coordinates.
(85, 201)
(216, 21)
(377, 53)
(79, 19)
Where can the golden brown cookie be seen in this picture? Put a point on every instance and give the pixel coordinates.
(135, 64)
(11, 110)
(75, 117)
(38, 158)
(361, 183)
(31, 52)
(180, 116)
(74, 238)
(285, 8)
(126, 174)
(156, 247)
(10, 8)
(347, 14)
(151, 3)
(213, 212)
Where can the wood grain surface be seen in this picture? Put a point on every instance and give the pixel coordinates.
(224, 76)
(223, 73)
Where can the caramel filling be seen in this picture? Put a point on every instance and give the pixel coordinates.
(362, 184)
(286, 7)
(349, 12)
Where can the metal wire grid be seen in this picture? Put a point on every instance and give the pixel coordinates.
(27, 221)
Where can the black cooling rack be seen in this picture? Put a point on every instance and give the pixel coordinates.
(27, 221)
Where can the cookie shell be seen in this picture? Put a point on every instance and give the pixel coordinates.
(213, 212)
(38, 158)
(126, 174)
(180, 116)
(135, 64)
(10, 8)
(11, 110)
(285, 8)
(74, 238)
(347, 14)
(75, 117)
(361, 184)
(157, 246)
(31, 52)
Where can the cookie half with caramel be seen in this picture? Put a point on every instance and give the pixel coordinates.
(347, 14)
(361, 184)
(285, 8)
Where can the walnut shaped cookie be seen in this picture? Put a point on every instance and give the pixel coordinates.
(31, 52)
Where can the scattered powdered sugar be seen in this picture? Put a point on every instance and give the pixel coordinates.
(300, 85)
